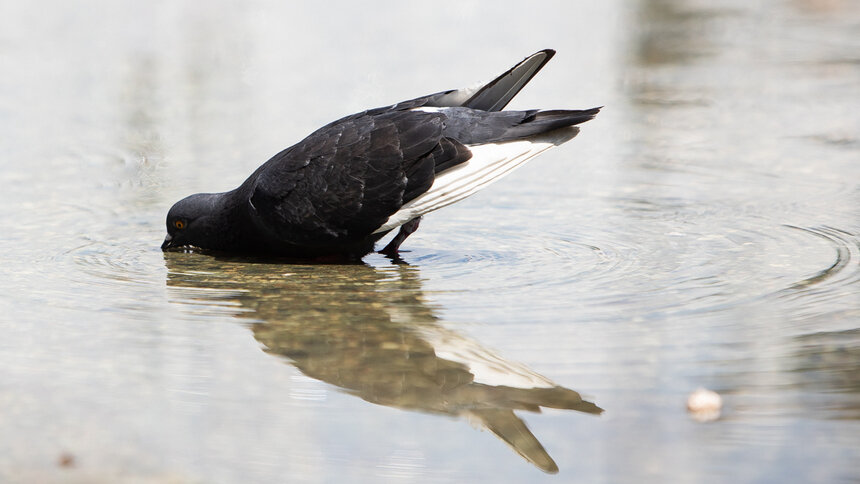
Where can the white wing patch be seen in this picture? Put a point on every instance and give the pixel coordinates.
(489, 163)
(428, 109)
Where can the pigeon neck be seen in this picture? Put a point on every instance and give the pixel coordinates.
(222, 220)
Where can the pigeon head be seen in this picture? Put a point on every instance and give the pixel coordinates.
(193, 221)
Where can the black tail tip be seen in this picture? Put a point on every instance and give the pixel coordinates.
(589, 114)
(547, 52)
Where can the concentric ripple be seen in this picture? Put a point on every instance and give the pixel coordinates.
(114, 261)
(833, 288)
(845, 268)
(518, 260)
(114, 264)
(661, 257)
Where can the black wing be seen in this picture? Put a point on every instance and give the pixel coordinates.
(343, 181)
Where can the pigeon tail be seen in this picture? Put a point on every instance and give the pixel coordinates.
(496, 94)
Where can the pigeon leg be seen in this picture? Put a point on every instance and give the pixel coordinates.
(405, 231)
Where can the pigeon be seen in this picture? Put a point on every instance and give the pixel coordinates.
(334, 194)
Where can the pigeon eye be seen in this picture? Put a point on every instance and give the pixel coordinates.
(179, 224)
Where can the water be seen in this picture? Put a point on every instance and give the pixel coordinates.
(704, 230)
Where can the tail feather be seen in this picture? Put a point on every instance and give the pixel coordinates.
(558, 118)
(496, 94)
(538, 122)
(489, 143)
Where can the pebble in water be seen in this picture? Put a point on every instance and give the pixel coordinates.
(704, 405)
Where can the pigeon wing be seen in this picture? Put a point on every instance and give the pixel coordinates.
(342, 182)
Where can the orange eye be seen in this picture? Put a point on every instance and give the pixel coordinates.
(179, 224)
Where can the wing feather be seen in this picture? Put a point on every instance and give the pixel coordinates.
(346, 179)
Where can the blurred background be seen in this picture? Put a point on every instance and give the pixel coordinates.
(702, 231)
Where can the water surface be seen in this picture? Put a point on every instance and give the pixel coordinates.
(704, 230)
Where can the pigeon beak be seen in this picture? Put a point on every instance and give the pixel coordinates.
(168, 242)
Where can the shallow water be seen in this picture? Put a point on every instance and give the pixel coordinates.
(704, 230)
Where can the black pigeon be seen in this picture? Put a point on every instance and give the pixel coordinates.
(341, 189)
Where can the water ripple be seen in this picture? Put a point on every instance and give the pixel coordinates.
(832, 289)
(687, 259)
(846, 261)
(114, 264)
(519, 260)
(118, 269)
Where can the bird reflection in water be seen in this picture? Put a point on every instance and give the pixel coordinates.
(369, 332)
